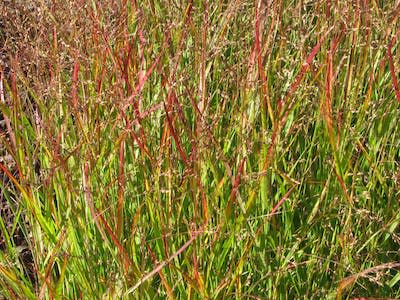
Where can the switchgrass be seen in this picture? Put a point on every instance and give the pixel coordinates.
(200, 149)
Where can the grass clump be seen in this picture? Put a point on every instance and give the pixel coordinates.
(199, 149)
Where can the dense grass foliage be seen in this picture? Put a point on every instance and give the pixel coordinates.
(200, 149)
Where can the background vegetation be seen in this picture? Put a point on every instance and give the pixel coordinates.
(199, 149)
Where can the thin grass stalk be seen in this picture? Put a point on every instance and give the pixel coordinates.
(391, 66)
(121, 192)
(163, 264)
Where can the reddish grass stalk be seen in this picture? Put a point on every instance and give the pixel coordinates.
(172, 99)
(232, 198)
(136, 93)
(328, 98)
(250, 66)
(328, 9)
(145, 75)
(329, 86)
(142, 78)
(126, 65)
(74, 92)
(261, 72)
(202, 81)
(235, 187)
(343, 186)
(55, 40)
(293, 88)
(101, 79)
(181, 115)
(47, 278)
(127, 261)
(350, 280)
(14, 91)
(160, 273)
(279, 204)
(133, 135)
(295, 85)
(95, 19)
(175, 136)
(391, 65)
(160, 266)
